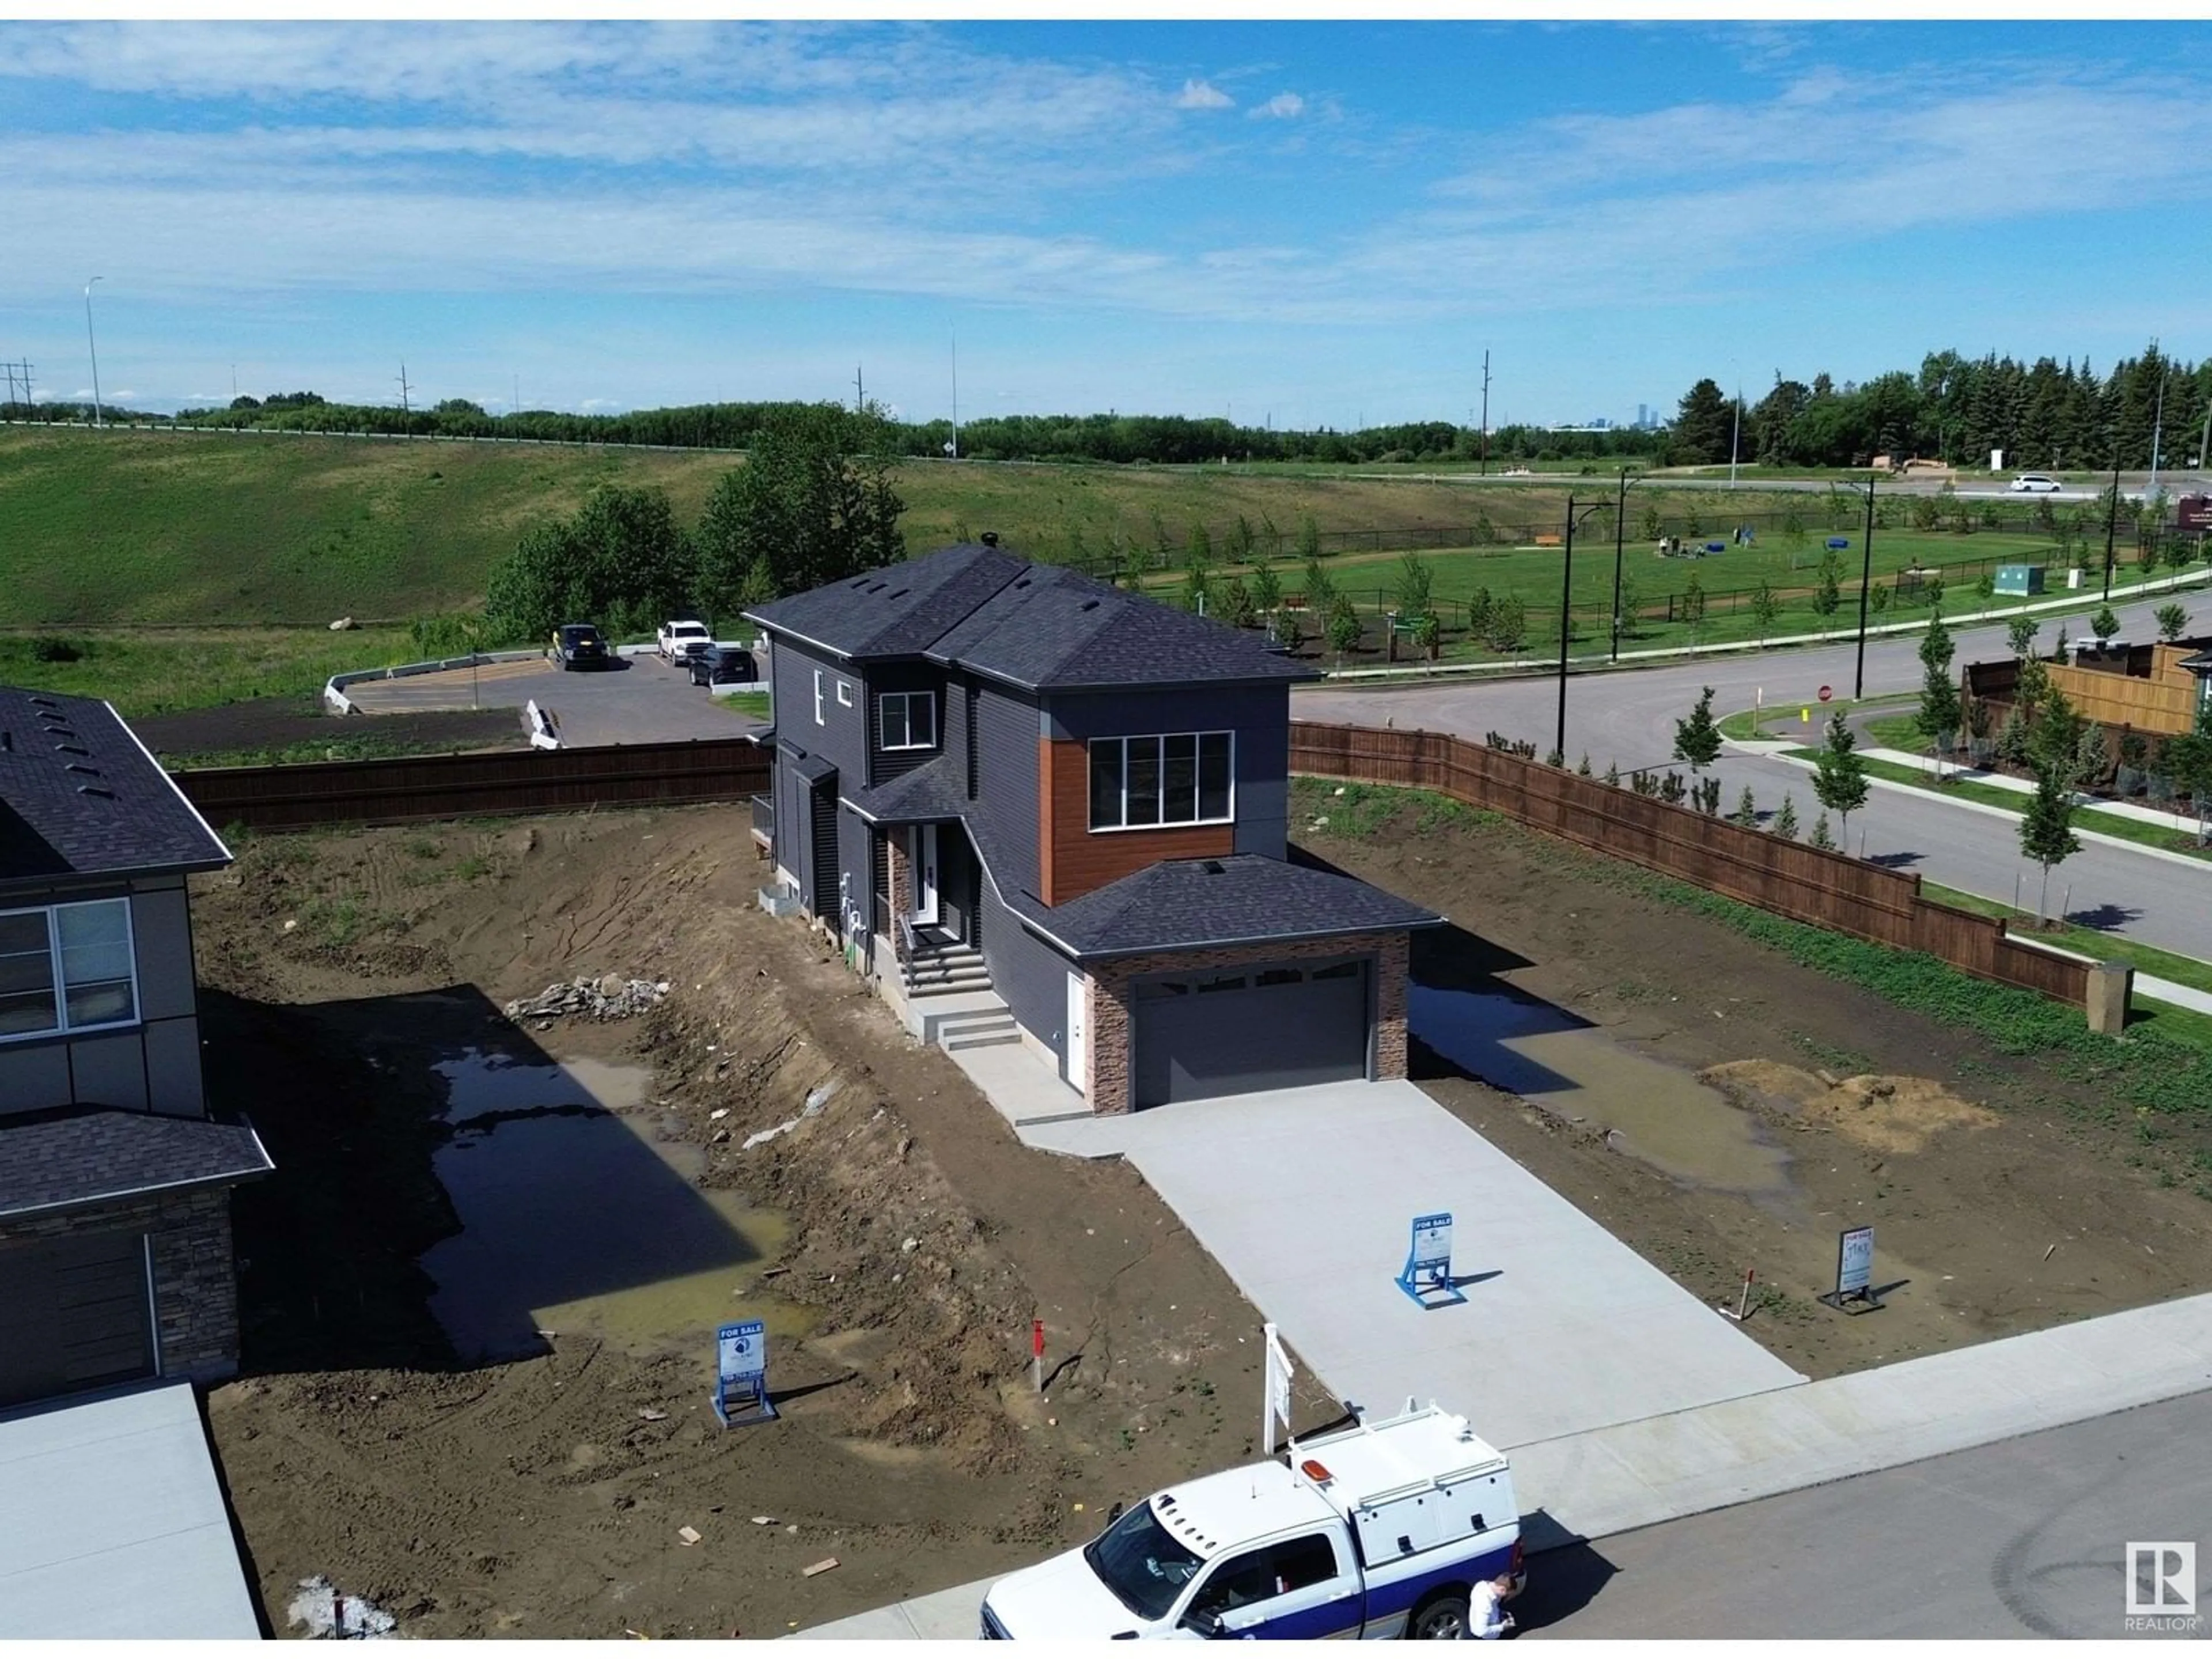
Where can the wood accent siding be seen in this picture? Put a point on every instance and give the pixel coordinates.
(1073, 859)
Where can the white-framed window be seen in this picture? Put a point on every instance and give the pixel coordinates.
(844, 694)
(66, 968)
(818, 720)
(908, 720)
(1183, 777)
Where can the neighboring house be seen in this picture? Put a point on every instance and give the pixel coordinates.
(994, 774)
(115, 1251)
(2154, 688)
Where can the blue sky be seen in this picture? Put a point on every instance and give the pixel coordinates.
(1318, 223)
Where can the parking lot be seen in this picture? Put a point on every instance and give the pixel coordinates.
(639, 700)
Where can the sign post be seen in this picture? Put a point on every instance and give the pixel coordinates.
(741, 1375)
(1428, 1262)
(1037, 1354)
(1853, 1292)
(1278, 1406)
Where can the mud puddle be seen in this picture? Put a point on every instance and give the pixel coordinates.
(576, 1218)
(1657, 1114)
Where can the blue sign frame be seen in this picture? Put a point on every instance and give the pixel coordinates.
(1428, 1270)
(741, 1374)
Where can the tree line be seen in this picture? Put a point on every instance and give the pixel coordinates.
(2048, 414)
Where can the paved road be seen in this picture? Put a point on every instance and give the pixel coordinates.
(2022, 1538)
(644, 700)
(1970, 483)
(1627, 719)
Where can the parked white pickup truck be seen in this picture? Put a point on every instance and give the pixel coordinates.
(1380, 1530)
(677, 641)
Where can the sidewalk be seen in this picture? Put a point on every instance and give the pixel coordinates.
(1609, 1480)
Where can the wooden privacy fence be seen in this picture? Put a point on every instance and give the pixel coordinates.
(476, 786)
(1787, 878)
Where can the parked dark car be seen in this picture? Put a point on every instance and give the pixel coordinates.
(721, 665)
(579, 645)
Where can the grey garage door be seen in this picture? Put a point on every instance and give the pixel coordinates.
(73, 1315)
(1230, 1033)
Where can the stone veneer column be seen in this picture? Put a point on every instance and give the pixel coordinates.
(902, 895)
(1106, 1010)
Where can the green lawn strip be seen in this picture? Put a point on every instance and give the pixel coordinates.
(2161, 1070)
(2085, 941)
(159, 671)
(1895, 732)
(2016, 802)
(1741, 725)
(752, 705)
(365, 746)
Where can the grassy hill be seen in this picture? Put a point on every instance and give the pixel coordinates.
(124, 527)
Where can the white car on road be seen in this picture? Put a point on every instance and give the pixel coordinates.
(2035, 483)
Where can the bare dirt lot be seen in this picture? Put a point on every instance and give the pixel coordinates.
(2000, 1187)
(898, 1243)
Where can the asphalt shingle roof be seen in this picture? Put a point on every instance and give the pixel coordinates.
(1037, 626)
(81, 1155)
(896, 610)
(932, 791)
(1185, 904)
(80, 796)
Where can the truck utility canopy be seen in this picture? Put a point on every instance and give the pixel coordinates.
(1408, 1483)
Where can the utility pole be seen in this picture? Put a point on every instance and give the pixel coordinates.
(402, 388)
(859, 392)
(956, 394)
(93, 345)
(514, 398)
(1620, 522)
(1485, 411)
(1736, 432)
(2157, 425)
(2112, 516)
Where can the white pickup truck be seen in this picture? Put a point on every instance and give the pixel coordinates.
(679, 640)
(1380, 1530)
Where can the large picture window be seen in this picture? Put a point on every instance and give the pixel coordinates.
(1179, 778)
(66, 969)
(909, 720)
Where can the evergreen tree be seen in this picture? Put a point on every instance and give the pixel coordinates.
(1697, 736)
(1414, 586)
(1267, 587)
(2020, 634)
(1765, 608)
(1785, 818)
(2104, 624)
(1939, 714)
(1320, 590)
(1828, 597)
(1343, 627)
(1822, 837)
(1839, 773)
(2172, 621)
(1747, 810)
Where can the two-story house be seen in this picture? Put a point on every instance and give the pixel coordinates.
(991, 770)
(115, 1249)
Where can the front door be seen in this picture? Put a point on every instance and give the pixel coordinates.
(924, 847)
(1078, 1038)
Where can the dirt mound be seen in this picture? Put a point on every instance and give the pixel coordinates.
(1882, 1114)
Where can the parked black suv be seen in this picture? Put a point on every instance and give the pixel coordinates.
(716, 664)
(579, 645)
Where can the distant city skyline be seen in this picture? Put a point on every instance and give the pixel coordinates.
(1312, 224)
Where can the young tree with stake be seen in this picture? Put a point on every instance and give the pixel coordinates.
(1839, 773)
(2046, 832)
(1696, 737)
(1939, 713)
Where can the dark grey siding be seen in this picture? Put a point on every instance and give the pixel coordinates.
(885, 764)
(1029, 974)
(1258, 714)
(1006, 779)
(841, 737)
(851, 892)
(790, 819)
(822, 853)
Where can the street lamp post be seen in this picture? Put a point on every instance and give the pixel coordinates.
(1620, 525)
(1567, 614)
(2112, 517)
(1866, 581)
(93, 347)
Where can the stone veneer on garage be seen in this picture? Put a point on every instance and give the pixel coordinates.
(195, 1289)
(1107, 1001)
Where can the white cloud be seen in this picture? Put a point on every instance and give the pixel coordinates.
(1202, 95)
(1283, 106)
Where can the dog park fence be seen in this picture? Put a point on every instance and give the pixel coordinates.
(1789, 878)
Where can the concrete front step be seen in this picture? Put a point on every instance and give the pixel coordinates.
(928, 1017)
(984, 1029)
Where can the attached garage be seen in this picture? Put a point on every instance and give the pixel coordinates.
(1279, 1025)
(74, 1314)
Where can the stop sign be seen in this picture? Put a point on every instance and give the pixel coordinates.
(1826, 692)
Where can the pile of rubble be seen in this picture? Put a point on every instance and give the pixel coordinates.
(609, 997)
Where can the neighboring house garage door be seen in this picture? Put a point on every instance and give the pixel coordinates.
(1232, 1031)
(73, 1315)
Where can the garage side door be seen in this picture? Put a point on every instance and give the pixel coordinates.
(1274, 1027)
(73, 1315)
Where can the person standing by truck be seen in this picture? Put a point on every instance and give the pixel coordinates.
(1486, 1618)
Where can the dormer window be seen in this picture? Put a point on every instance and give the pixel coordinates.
(908, 720)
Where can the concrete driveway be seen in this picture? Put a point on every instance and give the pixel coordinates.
(642, 701)
(1305, 1196)
(113, 1525)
